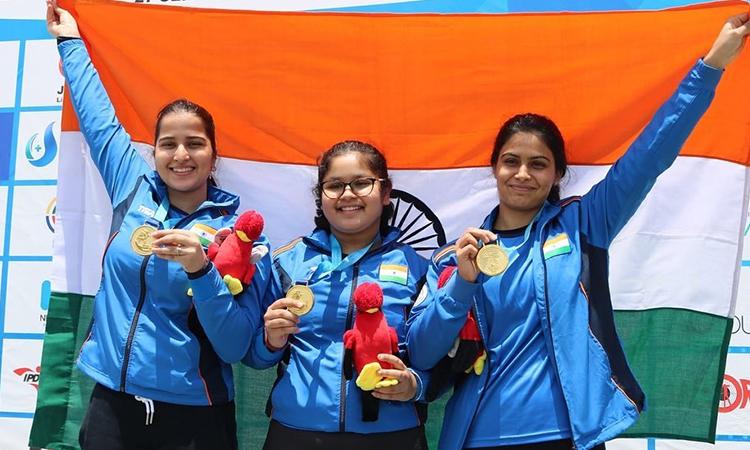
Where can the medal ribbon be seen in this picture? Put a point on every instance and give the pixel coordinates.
(159, 220)
(337, 261)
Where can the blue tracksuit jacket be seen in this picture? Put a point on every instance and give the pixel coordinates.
(602, 396)
(312, 394)
(148, 337)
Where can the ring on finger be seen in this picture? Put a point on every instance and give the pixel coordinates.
(179, 251)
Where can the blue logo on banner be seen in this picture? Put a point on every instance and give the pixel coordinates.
(46, 291)
(6, 135)
(39, 154)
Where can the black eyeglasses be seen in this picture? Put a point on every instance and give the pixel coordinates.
(360, 187)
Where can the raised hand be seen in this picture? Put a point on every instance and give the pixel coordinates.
(467, 247)
(280, 323)
(180, 246)
(729, 42)
(60, 23)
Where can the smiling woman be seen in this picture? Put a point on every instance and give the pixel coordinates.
(351, 245)
(155, 351)
(185, 152)
(535, 276)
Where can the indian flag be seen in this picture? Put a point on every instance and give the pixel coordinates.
(205, 233)
(393, 272)
(556, 245)
(430, 90)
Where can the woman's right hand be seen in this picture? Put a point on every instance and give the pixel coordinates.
(60, 23)
(280, 323)
(467, 247)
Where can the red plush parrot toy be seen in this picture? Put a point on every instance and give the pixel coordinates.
(466, 355)
(233, 256)
(370, 336)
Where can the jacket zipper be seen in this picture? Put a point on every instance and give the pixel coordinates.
(553, 358)
(349, 319)
(134, 324)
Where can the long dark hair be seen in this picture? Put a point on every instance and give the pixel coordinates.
(375, 161)
(185, 105)
(546, 130)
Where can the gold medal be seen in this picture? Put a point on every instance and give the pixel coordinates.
(141, 239)
(301, 293)
(492, 260)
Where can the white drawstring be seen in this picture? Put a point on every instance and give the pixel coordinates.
(149, 404)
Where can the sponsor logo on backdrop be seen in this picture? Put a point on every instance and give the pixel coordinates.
(45, 292)
(61, 89)
(50, 214)
(740, 325)
(29, 376)
(41, 150)
(735, 394)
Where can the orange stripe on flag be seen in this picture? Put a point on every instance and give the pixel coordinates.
(430, 90)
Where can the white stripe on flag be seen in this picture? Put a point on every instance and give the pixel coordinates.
(681, 249)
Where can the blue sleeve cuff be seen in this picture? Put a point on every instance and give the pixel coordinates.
(208, 286)
(67, 43)
(419, 395)
(708, 75)
(206, 268)
(460, 292)
(263, 354)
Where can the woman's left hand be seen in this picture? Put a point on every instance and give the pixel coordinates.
(729, 42)
(407, 382)
(181, 246)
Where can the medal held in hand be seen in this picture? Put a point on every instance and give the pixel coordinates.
(492, 260)
(303, 294)
(141, 240)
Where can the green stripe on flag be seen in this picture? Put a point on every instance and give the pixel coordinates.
(678, 357)
(554, 252)
(64, 391)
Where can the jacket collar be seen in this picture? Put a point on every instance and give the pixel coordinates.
(217, 198)
(320, 239)
(549, 210)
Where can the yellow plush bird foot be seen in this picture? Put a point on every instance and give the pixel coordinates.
(479, 363)
(385, 382)
(234, 284)
(369, 378)
(190, 292)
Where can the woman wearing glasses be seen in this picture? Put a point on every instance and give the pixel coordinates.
(312, 404)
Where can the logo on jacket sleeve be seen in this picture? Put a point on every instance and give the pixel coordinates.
(556, 245)
(393, 272)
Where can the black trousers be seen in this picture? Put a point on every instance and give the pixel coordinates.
(562, 444)
(280, 437)
(117, 421)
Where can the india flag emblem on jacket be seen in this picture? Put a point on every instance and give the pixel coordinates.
(393, 272)
(205, 233)
(556, 245)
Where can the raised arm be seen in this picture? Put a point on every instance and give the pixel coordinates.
(112, 151)
(611, 202)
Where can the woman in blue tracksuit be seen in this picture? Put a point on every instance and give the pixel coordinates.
(555, 376)
(161, 359)
(313, 405)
